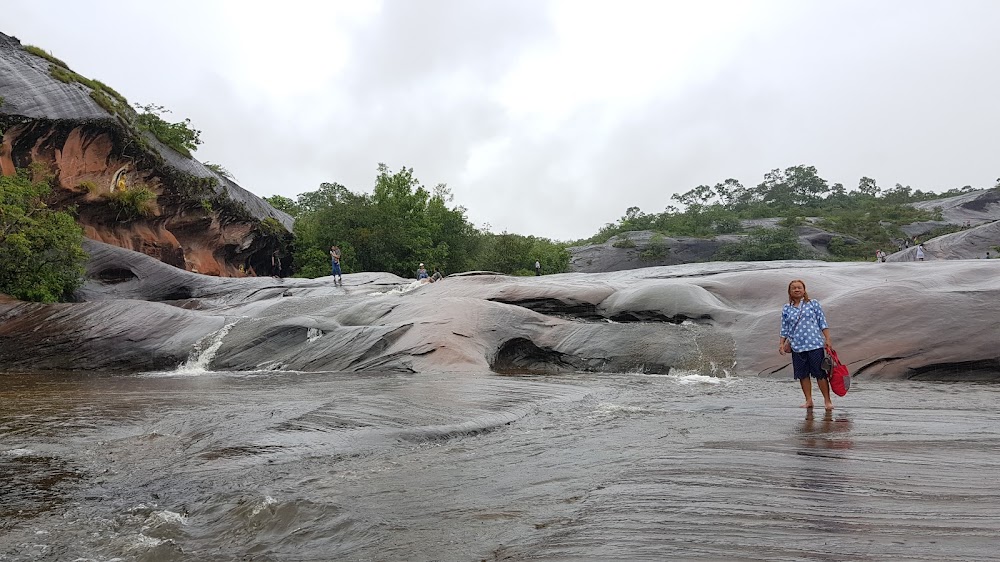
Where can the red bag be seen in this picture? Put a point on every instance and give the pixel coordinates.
(840, 377)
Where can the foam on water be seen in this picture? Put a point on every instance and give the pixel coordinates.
(16, 452)
(399, 289)
(313, 334)
(204, 351)
(265, 503)
(170, 517)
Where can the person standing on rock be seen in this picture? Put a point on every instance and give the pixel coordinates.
(804, 334)
(538, 268)
(920, 252)
(335, 264)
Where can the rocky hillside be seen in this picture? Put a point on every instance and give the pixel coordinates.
(979, 211)
(129, 189)
(642, 249)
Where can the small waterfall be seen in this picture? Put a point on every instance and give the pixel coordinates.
(313, 334)
(204, 351)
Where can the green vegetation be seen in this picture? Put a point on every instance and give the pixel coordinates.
(219, 169)
(271, 227)
(623, 241)
(39, 52)
(132, 202)
(109, 100)
(656, 249)
(763, 244)
(283, 204)
(230, 210)
(868, 217)
(40, 249)
(178, 136)
(104, 101)
(402, 224)
(90, 186)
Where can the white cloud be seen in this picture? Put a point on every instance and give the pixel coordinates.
(552, 118)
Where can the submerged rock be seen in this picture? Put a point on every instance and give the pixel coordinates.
(927, 320)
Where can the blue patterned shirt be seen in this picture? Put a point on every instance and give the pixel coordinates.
(808, 333)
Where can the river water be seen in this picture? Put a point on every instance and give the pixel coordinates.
(345, 466)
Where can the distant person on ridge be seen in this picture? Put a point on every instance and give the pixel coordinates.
(335, 264)
(422, 272)
(538, 268)
(437, 276)
(804, 334)
(920, 252)
(275, 264)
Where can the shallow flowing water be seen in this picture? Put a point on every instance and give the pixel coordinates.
(332, 466)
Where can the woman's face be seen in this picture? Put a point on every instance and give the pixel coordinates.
(796, 290)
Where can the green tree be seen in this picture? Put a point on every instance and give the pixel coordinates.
(283, 204)
(40, 249)
(178, 136)
(763, 245)
(398, 226)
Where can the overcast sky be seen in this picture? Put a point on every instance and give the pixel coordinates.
(552, 117)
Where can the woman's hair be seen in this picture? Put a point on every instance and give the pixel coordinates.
(805, 295)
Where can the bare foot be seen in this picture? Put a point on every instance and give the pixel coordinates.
(829, 406)
(808, 405)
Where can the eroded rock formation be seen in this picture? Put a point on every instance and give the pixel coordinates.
(199, 220)
(926, 320)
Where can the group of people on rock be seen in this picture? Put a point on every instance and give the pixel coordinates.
(422, 275)
(431, 278)
(880, 256)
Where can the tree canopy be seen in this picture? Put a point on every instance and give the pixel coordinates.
(40, 249)
(401, 224)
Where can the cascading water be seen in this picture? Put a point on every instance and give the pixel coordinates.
(200, 359)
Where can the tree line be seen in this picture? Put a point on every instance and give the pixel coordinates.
(401, 224)
(869, 217)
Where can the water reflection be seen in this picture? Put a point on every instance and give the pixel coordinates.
(826, 432)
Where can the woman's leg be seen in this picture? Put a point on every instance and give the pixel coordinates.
(807, 391)
(824, 387)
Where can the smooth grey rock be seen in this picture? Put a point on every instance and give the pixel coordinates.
(28, 89)
(973, 243)
(925, 320)
(976, 207)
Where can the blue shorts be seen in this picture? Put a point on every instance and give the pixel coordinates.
(808, 363)
(335, 268)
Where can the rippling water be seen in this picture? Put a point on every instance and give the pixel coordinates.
(330, 466)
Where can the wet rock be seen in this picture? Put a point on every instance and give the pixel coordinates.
(925, 320)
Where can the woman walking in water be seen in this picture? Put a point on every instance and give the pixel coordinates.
(804, 334)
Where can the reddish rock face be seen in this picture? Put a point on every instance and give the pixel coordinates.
(90, 161)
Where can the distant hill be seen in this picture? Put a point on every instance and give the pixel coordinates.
(975, 215)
